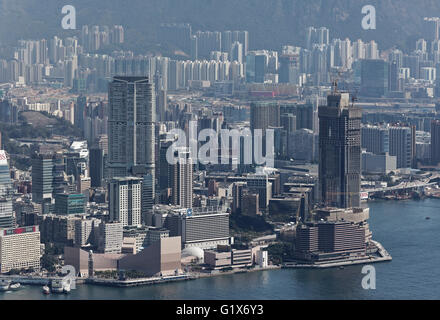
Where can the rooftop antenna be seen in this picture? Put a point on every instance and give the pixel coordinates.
(335, 82)
(354, 98)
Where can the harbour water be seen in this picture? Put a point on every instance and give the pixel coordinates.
(401, 226)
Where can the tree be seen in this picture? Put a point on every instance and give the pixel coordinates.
(49, 262)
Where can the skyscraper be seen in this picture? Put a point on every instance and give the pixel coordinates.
(80, 107)
(131, 121)
(401, 146)
(7, 219)
(182, 179)
(264, 115)
(96, 167)
(435, 142)
(47, 178)
(125, 200)
(339, 152)
(374, 78)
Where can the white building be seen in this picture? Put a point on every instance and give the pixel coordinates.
(19, 248)
(125, 200)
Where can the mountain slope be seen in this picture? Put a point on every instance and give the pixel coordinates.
(270, 22)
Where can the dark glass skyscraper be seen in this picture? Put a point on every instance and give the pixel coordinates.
(339, 152)
(47, 178)
(96, 167)
(374, 78)
(80, 107)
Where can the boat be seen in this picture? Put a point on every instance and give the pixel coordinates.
(427, 218)
(341, 267)
(57, 286)
(15, 286)
(66, 288)
(46, 290)
(4, 284)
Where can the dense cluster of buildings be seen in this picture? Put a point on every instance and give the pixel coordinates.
(114, 200)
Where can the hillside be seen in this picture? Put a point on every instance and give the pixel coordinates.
(270, 22)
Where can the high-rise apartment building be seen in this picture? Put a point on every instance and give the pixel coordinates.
(401, 146)
(339, 152)
(376, 139)
(125, 200)
(181, 174)
(110, 237)
(264, 115)
(132, 116)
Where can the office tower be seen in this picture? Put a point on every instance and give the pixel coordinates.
(132, 115)
(47, 177)
(238, 189)
(260, 68)
(401, 146)
(7, 219)
(339, 152)
(375, 139)
(181, 174)
(264, 115)
(125, 200)
(256, 66)
(96, 160)
(162, 105)
(435, 142)
(66, 204)
(164, 166)
(147, 200)
(259, 184)
(374, 78)
(20, 249)
(80, 109)
(394, 83)
(110, 237)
